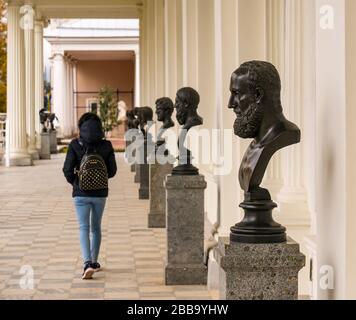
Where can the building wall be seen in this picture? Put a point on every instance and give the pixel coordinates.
(93, 75)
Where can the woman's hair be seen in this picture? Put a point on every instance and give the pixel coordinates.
(89, 116)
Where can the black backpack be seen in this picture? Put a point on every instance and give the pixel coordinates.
(92, 174)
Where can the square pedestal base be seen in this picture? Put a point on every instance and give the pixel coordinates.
(259, 271)
(186, 274)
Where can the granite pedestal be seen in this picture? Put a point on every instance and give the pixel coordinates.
(53, 141)
(137, 173)
(128, 143)
(143, 192)
(45, 152)
(185, 230)
(157, 214)
(259, 271)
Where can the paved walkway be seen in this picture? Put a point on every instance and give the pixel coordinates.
(38, 228)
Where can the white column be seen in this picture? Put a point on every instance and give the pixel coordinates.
(30, 91)
(69, 116)
(39, 90)
(75, 100)
(336, 156)
(171, 61)
(16, 108)
(190, 42)
(275, 54)
(59, 99)
(137, 79)
(292, 197)
(160, 49)
(143, 56)
(226, 61)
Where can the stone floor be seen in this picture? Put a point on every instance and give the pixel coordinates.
(38, 228)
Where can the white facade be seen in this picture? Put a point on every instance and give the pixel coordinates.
(82, 36)
(199, 43)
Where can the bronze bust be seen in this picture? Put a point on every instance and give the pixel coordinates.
(164, 111)
(145, 115)
(136, 120)
(255, 98)
(130, 119)
(186, 105)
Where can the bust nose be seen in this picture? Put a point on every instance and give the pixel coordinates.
(232, 104)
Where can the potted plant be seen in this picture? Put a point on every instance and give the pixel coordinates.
(107, 109)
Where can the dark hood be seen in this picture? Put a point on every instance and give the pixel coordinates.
(91, 132)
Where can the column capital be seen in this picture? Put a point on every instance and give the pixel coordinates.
(40, 24)
(57, 56)
(69, 59)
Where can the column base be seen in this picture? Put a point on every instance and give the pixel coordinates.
(189, 274)
(34, 154)
(259, 271)
(21, 161)
(293, 214)
(157, 220)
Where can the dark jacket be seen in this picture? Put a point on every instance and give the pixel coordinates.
(91, 138)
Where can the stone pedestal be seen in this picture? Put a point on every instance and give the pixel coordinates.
(185, 230)
(259, 271)
(34, 154)
(157, 214)
(53, 141)
(144, 193)
(45, 152)
(137, 173)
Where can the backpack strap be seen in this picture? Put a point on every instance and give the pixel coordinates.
(86, 149)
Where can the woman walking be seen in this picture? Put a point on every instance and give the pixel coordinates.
(89, 163)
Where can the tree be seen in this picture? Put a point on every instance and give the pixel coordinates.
(3, 55)
(108, 109)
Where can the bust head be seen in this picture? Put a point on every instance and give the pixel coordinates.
(130, 118)
(145, 115)
(164, 109)
(187, 101)
(255, 94)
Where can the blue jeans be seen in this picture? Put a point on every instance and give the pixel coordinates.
(90, 213)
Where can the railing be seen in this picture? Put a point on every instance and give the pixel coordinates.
(2, 132)
(127, 96)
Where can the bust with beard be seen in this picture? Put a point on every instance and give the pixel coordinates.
(186, 105)
(255, 98)
(164, 111)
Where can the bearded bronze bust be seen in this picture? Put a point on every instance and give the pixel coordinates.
(186, 105)
(255, 98)
(164, 111)
(130, 119)
(145, 115)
